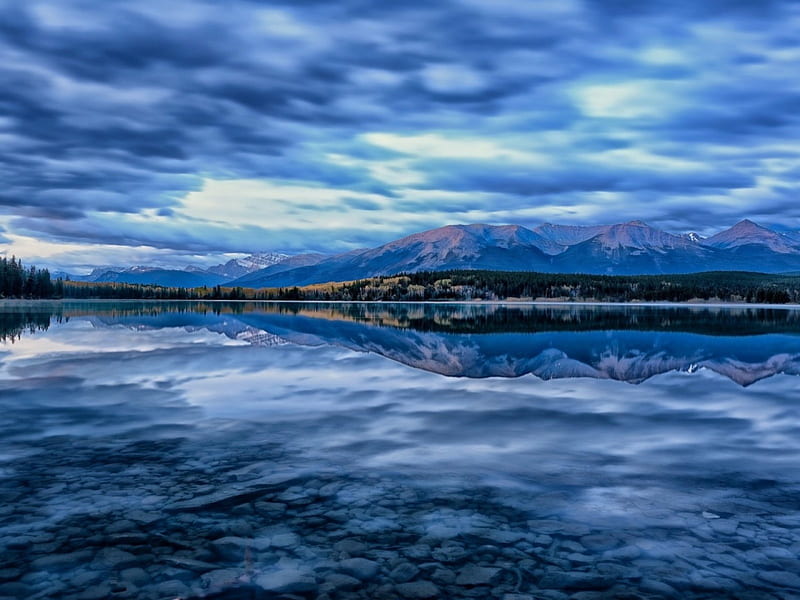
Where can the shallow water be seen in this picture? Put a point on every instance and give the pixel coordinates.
(398, 451)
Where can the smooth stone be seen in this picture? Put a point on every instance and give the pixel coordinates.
(285, 540)
(242, 510)
(172, 589)
(232, 548)
(623, 553)
(565, 580)
(270, 508)
(341, 581)
(659, 587)
(84, 578)
(96, 592)
(361, 568)
(189, 564)
(572, 546)
(450, 554)
(472, 575)
(580, 558)
(504, 537)
(62, 560)
(709, 581)
(418, 551)
(404, 572)
(287, 581)
(14, 589)
(443, 576)
(220, 579)
(417, 590)
(781, 578)
(724, 526)
(9, 574)
(135, 575)
(598, 542)
(777, 552)
(144, 517)
(121, 526)
(552, 526)
(350, 546)
(115, 558)
(237, 528)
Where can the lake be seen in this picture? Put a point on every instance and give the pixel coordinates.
(341, 451)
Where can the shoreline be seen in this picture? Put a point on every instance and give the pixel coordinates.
(17, 301)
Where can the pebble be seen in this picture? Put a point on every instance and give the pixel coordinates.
(114, 558)
(360, 568)
(404, 572)
(473, 575)
(357, 537)
(781, 578)
(417, 590)
(287, 580)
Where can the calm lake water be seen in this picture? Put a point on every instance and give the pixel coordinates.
(190, 450)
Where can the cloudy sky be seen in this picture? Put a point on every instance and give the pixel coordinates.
(181, 131)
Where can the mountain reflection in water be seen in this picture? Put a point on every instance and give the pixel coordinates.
(270, 451)
(624, 343)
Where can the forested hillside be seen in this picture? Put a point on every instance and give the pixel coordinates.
(16, 281)
(725, 286)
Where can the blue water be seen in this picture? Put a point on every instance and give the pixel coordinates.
(180, 450)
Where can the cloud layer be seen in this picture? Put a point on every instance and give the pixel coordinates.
(177, 130)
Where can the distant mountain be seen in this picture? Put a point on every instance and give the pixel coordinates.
(191, 276)
(632, 248)
(568, 235)
(238, 267)
(510, 248)
(747, 233)
(292, 262)
(694, 237)
(164, 277)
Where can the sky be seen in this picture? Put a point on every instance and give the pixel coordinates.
(180, 132)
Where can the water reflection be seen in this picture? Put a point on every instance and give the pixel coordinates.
(551, 342)
(232, 451)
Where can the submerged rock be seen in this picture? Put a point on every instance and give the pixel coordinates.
(286, 580)
(473, 575)
(417, 590)
(360, 568)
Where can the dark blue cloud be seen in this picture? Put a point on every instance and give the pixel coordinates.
(116, 110)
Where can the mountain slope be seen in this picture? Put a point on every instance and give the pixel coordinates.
(568, 235)
(510, 248)
(238, 267)
(632, 248)
(747, 233)
(164, 277)
(293, 262)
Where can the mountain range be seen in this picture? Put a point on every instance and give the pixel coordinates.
(191, 276)
(632, 248)
(626, 354)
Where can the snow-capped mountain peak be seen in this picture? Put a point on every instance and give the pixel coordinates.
(694, 237)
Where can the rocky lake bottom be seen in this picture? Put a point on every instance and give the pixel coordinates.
(186, 461)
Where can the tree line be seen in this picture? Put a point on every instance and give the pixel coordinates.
(16, 281)
(723, 286)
